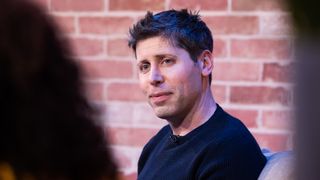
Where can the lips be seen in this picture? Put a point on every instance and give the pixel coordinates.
(159, 97)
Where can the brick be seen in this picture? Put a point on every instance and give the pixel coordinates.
(248, 117)
(66, 23)
(231, 71)
(260, 48)
(277, 119)
(199, 4)
(130, 136)
(119, 113)
(219, 92)
(95, 91)
(87, 47)
(138, 5)
(76, 5)
(291, 141)
(220, 48)
(125, 92)
(105, 25)
(261, 5)
(260, 95)
(119, 47)
(107, 69)
(243, 25)
(278, 73)
(273, 142)
(144, 114)
(122, 159)
(275, 24)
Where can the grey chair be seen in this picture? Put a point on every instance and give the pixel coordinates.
(279, 166)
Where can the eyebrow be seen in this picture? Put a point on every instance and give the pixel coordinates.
(161, 56)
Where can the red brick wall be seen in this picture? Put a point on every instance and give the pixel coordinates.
(251, 78)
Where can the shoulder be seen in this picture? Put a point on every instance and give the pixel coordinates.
(232, 153)
(235, 139)
(232, 129)
(231, 160)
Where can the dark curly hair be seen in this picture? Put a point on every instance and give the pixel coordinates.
(47, 126)
(182, 28)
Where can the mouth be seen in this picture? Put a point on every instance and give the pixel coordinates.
(159, 97)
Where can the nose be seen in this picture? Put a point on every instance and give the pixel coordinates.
(156, 77)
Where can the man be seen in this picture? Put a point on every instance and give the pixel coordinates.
(174, 51)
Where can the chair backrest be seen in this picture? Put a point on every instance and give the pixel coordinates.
(280, 166)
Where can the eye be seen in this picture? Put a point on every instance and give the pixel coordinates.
(167, 61)
(144, 67)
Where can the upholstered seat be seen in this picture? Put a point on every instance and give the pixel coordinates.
(280, 166)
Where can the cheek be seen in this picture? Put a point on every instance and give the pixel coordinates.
(181, 82)
(190, 82)
(143, 84)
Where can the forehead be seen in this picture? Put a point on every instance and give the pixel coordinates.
(154, 46)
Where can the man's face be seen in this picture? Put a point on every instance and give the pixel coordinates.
(168, 77)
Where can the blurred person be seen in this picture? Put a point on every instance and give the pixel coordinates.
(174, 52)
(305, 17)
(48, 129)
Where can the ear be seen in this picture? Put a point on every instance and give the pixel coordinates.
(206, 62)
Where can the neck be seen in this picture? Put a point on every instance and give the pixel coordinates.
(199, 114)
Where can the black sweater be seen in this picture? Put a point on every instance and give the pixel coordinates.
(221, 148)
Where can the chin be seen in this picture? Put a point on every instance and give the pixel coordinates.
(163, 113)
(171, 117)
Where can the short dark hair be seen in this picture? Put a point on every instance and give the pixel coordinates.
(183, 28)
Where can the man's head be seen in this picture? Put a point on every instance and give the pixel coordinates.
(181, 28)
(174, 60)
